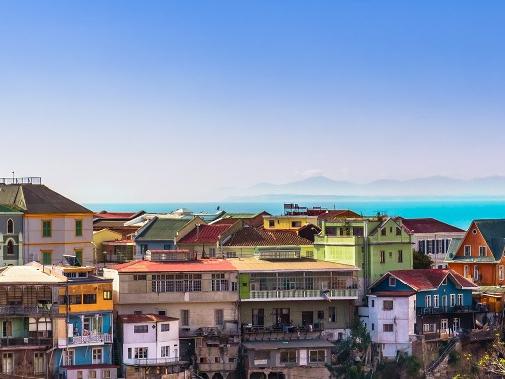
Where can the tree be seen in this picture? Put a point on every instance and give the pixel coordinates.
(421, 260)
(493, 361)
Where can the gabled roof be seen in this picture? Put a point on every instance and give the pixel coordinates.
(427, 279)
(428, 225)
(9, 209)
(383, 223)
(161, 229)
(250, 236)
(37, 199)
(493, 231)
(116, 216)
(453, 247)
(201, 265)
(205, 234)
(335, 214)
(134, 318)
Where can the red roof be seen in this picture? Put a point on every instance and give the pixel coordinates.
(116, 215)
(249, 236)
(205, 234)
(427, 279)
(337, 213)
(193, 266)
(394, 293)
(133, 318)
(225, 221)
(428, 225)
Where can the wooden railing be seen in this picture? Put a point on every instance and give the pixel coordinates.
(46, 309)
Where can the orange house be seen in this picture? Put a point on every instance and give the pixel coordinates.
(478, 256)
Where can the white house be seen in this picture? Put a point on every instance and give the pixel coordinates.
(149, 339)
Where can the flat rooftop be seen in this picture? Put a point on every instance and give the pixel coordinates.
(252, 264)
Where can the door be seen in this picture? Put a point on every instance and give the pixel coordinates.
(46, 258)
(455, 324)
(281, 316)
(7, 363)
(258, 317)
(307, 318)
(444, 325)
(444, 301)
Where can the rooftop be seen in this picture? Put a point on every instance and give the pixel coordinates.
(253, 264)
(293, 344)
(493, 231)
(428, 279)
(118, 216)
(250, 236)
(28, 274)
(202, 265)
(205, 234)
(428, 225)
(133, 318)
(161, 229)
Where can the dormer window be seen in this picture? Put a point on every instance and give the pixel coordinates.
(10, 226)
(392, 281)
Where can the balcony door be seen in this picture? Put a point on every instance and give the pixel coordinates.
(258, 317)
(444, 325)
(281, 316)
(92, 325)
(7, 363)
(307, 318)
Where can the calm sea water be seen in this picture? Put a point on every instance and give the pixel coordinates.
(458, 212)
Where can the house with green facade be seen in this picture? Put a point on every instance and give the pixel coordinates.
(374, 244)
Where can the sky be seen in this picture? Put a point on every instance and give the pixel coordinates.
(135, 101)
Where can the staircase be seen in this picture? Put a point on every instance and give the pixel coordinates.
(433, 366)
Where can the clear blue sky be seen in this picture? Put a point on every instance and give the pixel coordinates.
(173, 100)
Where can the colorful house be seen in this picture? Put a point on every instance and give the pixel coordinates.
(53, 225)
(374, 244)
(479, 255)
(116, 222)
(85, 330)
(11, 236)
(433, 303)
(101, 236)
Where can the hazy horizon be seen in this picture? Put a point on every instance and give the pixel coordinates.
(184, 101)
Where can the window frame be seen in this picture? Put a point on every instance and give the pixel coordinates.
(78, 229)
(47, 232)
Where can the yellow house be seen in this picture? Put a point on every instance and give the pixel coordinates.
(291, 222)
(101, 236)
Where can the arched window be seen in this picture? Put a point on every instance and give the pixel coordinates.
(10, 226)
(10, 247)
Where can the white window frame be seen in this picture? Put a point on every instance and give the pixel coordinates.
(392, 281)
(141, 349)
(469, 248)
(427, 301)
(476, 272)
(165, 351)
(482, 248)
(501, 275)
(466, 271)
(452, 300)
(459, 300)
(97, 351)
(436, 302)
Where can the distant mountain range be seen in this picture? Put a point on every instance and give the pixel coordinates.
(321, 186)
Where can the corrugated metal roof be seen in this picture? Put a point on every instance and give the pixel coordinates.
(253, 264)
(194, 266)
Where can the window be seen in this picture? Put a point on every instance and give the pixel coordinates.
(317, 356)
(10, 226)
(436, 303)
(258, 317)
(89, 298)
(373, 303)
(140, 329)
(139, 277)
(212, 252)
(330, 230)
(474, 231)
(373, 326)
(79, 374)
(444, 300)
(78, 257)
(78, 228)
(92, 374)
(429, 328)
(107, 295)
(296, 224)
(97, 355)
(68, 357)
(39, 365)
(288, 356)
(468, 250)
(6, 328)
(185, 317)
(176, 283)
(466, 271)
(482, 251)
(10, 247)
(231, 254)
(387, 305)
(46, 228)
(165, 327)
(400, 256)
(460, 299)
(475, 272)
(427, 301)
(234, 286)
(75, 299)
(392, 281)
(388, 328)
(141, 353)
(455, 323)
(129, 353)
(383, 231)
(46, 257)
(218, 317)
(382, 256)
(422, 246)
(332, 314)
(357, 231)
(271, 223)
(398, 232)
(452, 300)
(106, 374)
(165, 351)
(162, 313)
(219, 282)
(500, 272)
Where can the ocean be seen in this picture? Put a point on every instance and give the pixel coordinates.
(456, 211)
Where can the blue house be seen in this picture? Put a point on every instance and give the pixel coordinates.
(11, 236)
(442, 299)
(162, 233)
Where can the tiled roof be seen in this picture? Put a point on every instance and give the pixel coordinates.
(428, 279)
(134, 319)
(193, 266)
(9, 209)
(493, 232)
(37, 198)
(205, 234)
(253, 264)
(250, 236)
(428, 225)
(161, 229)
(335, 214)
(104, 215)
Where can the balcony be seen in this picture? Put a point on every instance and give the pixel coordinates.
(158, 361)
(209, 367)
(93, 339)
(279, 333)
(335, 294)
(443, 310)
(27, 341)
(24, 310)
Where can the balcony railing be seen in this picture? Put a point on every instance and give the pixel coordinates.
(303, 294)
(46, 309)
(91, 339)
(279, 333)
(441, 310)
(157, 361)
(20, 341)
(229, 366)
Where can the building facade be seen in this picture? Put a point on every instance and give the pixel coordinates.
(11, 236)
